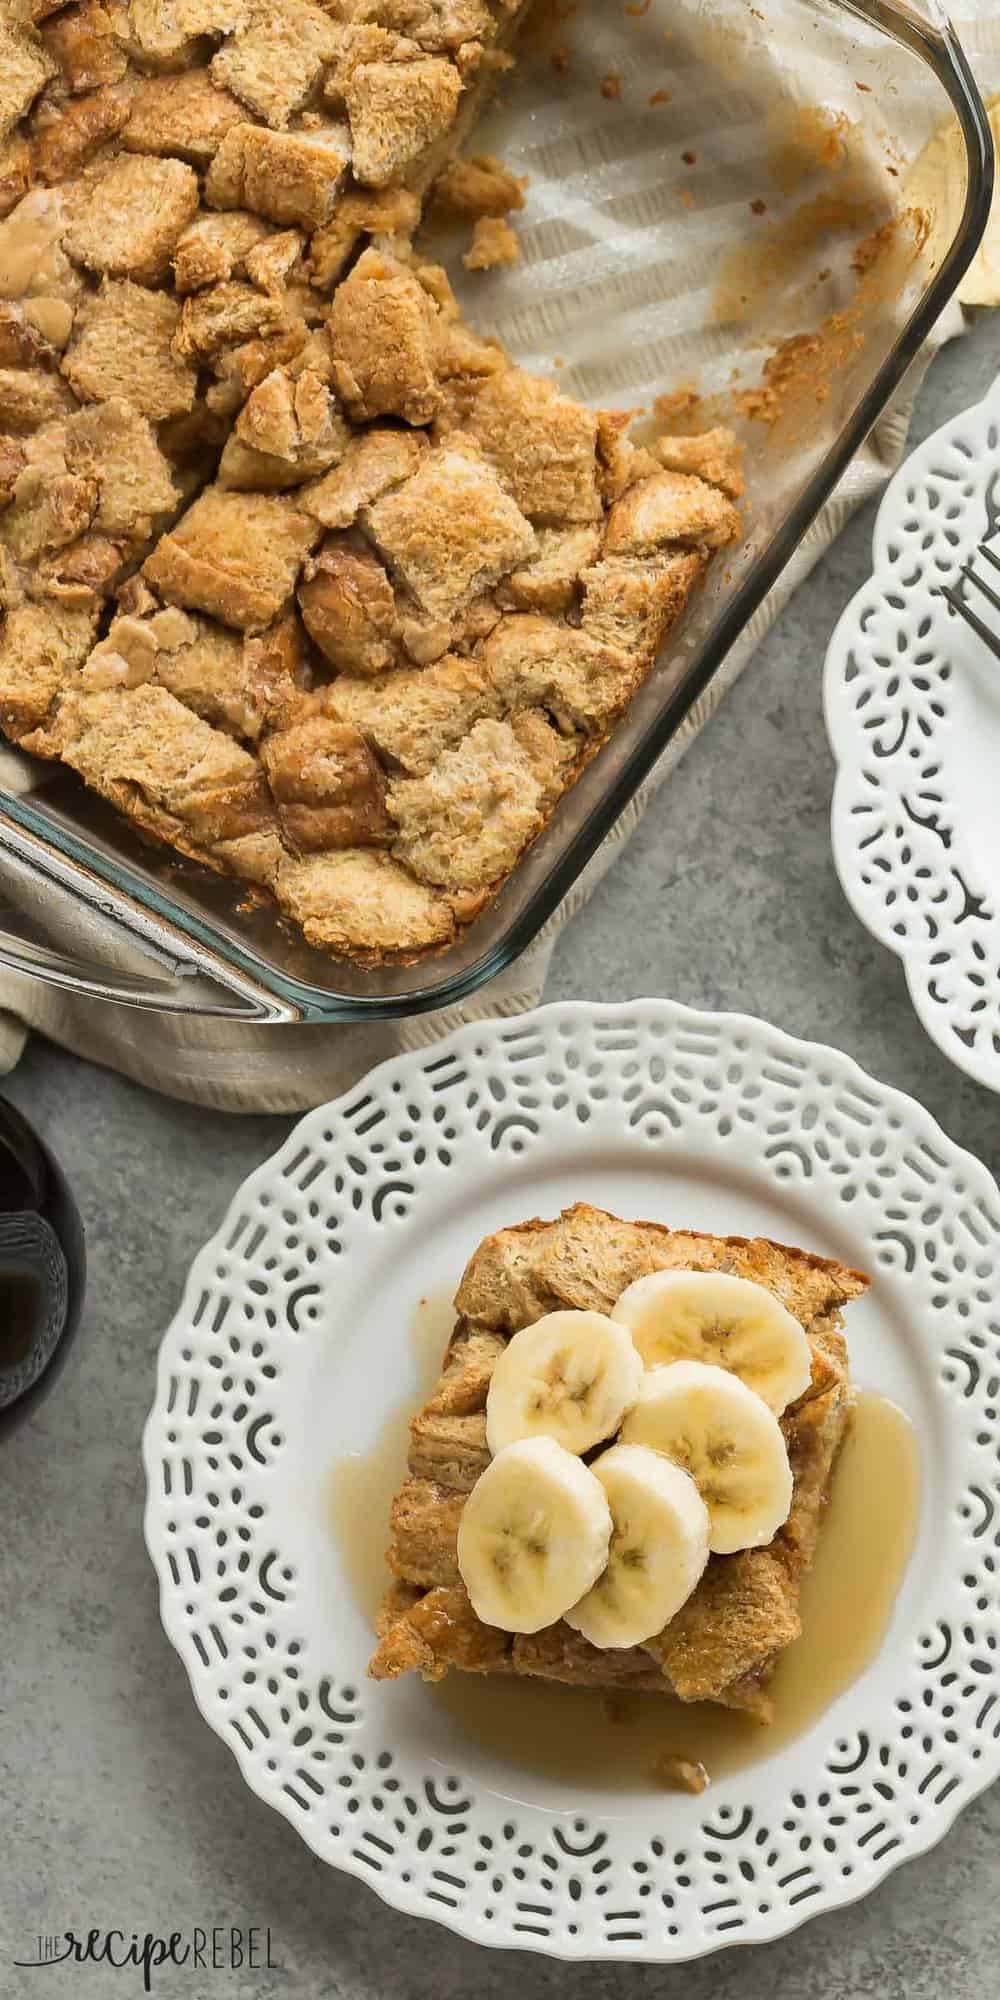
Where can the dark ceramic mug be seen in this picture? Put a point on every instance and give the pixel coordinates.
(42, 1268)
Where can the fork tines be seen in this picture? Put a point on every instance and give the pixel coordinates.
(959, 602)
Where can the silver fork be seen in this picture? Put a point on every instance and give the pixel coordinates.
(958, 601)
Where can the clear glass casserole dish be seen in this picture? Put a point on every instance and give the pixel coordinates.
(700, 181)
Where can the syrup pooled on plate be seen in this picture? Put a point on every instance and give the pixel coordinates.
(615, 1743)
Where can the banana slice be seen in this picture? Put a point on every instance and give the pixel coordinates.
(533, 1536)
(571, 1377)
(709, 1422)
(659, 1547)
(730, 1322)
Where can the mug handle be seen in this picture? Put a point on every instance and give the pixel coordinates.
(34, 1301)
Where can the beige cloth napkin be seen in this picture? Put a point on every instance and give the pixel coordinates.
(232, 1067)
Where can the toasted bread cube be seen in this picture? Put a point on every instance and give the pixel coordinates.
(632, 604)
(451, 531)
(152, 757)
(47, 512)
(16, 172)
(435, 24)
(716, 456)
(111, 443)
(328, 788)
(232, 681)
(225, 316)
(362, 901)
(494, 244)
(239, 369)
(542, 443)
(621, 462)
(167, 36)
(382, 337)
(289, 430)
(215, 247)
(550, 755)
(130, 224)
(82, 41)
(373, 212)
(43, 645)
(349, 608)
(480, 185)
(291, 177)
(274, 63)
(25, 65)
(414, 715)
(535, 663)
(187, 116)
(670, 507)
(550, 580)
(397, 112)
(121, 346)
(463, 825)
(30, 398)
(66, 141)
(234, 555)
(371, 465)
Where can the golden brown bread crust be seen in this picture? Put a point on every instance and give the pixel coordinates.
(723, 1644)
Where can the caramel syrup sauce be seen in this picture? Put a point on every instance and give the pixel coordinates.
(578, 1736)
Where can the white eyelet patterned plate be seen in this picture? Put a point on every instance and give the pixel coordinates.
(294, 1338)
(913, 714)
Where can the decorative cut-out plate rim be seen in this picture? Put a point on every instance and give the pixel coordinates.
(920, 859)
(558, 1027)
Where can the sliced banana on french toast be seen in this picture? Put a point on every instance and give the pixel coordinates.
(726, 1321)
(571, 1376)
(659, 1547)
(710, 1423)
(533, 1537)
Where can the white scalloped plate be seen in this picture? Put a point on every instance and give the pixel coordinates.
(293, 1337)
(912, 703)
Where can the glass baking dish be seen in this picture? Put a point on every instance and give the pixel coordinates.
(700, 179)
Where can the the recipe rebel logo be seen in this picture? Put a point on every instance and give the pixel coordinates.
(214, 1948)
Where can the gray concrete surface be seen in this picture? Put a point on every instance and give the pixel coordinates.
(117, 1805)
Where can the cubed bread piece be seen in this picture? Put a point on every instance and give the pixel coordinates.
(167, 36)
(187, 116)
(372, 464)
(274, 63)
(361, 901)
(412, 717)
(225, 316)
(494, 245)
(716, 456)
(47, 511)
(550, 580)
(112, 444)
(289, 430)
(328, 788)
(480, 185)
(502, 1287)
(16, 172)
(30, 397)
(238, 369)
(130, 223)
(463, 825)
(670, 507)
(214, 247)
(435, 24)
(234, 681)
(382, 329)
(397, 112)
(620, 461)
(632, 603)
(234, 555)
(535, 663)
(291, 177)
(450, 531)
(43, 644)
(349, 608)
(370, 211)
(161, 764)
(70, 136)
(551, 756)
(542, 443)
(121, 346)
(25, 65)
(82, 41)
